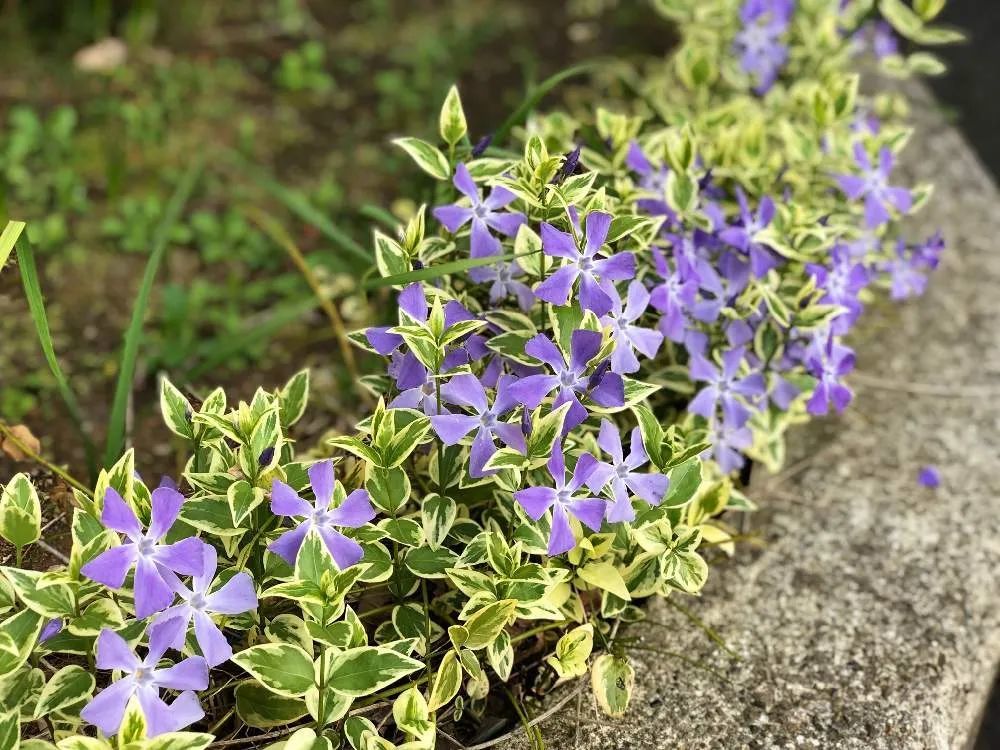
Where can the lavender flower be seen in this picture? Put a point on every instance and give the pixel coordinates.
(628, 337)
(829, 361)
(623, 474)
(417, 389)
(143, 679)
(653, 181)
(236, 596)
(724, 385)
(742, 236)
(355, 511)
(841, 283)
(674, 297)
(584, 265)
(51, 629)
(484, 214)
(605, 388)
(466, 390)
(758, 44)
(907, 274)
(503, 280)
(873, 185)
(729, 439)
(144, 552)
(564, 501)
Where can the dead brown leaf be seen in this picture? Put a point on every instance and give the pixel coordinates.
(23, 436)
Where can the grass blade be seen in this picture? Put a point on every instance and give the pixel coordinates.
(36, 305)
(436, 271)
(279, 235)
(130, 350)
(519, 115)
(299, 205)
(8, 239)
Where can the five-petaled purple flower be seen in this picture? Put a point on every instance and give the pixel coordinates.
(503, 280)
(729, 439)
(829, 361)
(758, 44)
(564, 501)
(484, 214)
(841, 283)
(628, 337)
(907, 273)
(466, 390)
(724, 386)
(674, 297)
(144, 550)
(355, 511)
(604, 387)
(143, 679)
(873, 185)
(624, 475)
(743, 236)
(584, 265)
(234, 597)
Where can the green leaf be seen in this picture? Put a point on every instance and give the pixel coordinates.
(545, 430)
(427, 562)
(281, 667)
(176, 410)
(684, 482)
(179, 741)
(259, 707)
(452, 120)
(130, 351)
(390, 257)
(71, 684)
(572, 652)
(292, 399)
(437, 514)
(10, 730)
(36, 305)
(20, 512)
(606, 577)
(447, 681)
(612, 679)
(486, 624)
(41, 592)
(429, 158)
(8, 239)
(367, 669)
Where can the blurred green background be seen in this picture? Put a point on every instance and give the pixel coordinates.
(103, 105)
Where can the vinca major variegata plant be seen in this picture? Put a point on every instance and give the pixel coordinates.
(604, 318)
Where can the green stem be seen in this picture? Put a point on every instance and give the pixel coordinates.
(322, 690)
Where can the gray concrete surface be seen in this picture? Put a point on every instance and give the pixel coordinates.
(872, 617)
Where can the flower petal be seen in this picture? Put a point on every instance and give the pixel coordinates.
(113, 652)
(535, 500)
(236, 596)
(186, 556)
(214, 646)
(355, 511)
(190, 674)
(118, 515)
(321, 479)
(107, 708)
(286, 502)
(287, 545)
(111, 567)
(166, 507)
(561, 539)
(152, 594)
(346, 552)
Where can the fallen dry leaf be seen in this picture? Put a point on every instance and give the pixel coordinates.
(23, 435)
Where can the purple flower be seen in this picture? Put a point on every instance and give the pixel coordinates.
(143, 679)
(355, 511)
(928, 252)
(563, 501)
(502, 278)
(144, 552)
(729, 440)
(929, 477)
(873, 185)
(741, 236)
(623, 474)
(584, 265)
(652, 180)
(841, 283)
(51, 629)
(828, 362)
(417, 389)
(907, 274)
(724, 385)
(758, 44)
(484, 214)
(413, 302)
(674, 298)
(605, 388)
(236, 596)
(689, 252)
(466, 390)
(628, 337)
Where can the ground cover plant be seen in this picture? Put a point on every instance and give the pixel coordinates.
(604, 318)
